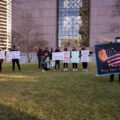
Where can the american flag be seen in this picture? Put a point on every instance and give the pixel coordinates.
(113, 57)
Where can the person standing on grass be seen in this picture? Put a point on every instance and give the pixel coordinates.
(104, 59)
(65, 65)
(51, 57)
(15, 60)
(74, 65)
(57, 62)
(40, 53)
(84, 64)
(112, 78)
(1, 61)
(51, 53)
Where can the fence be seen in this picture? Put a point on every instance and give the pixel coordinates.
(24, 58)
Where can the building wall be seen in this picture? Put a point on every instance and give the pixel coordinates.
(5, 24)
(102, 21)
(44, 15)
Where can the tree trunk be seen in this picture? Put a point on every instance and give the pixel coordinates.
(27, 47)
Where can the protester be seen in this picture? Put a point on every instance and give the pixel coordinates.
(15, 60)
(57, 62)
(102, 62)
(1, 61)
(50, 54)
(40, 53)
(74, 65)
(45, 62)
(51, 61)
(84, 64)
(65, 65)
(46, 51)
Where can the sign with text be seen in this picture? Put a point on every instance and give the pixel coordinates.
(107, 58)
(75, 57)
(2, 54)
(14, 54)
(66, 57)
(58, 56)
(84, 56)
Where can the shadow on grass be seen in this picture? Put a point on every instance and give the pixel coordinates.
(8, 113)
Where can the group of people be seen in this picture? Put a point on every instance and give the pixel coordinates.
(45, 60)
(13, 60)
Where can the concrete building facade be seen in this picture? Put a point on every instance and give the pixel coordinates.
(41, 16)
(104, 20)
(60, 22)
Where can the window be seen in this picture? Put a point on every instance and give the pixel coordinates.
(70, 22)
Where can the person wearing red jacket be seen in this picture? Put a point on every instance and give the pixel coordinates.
(40, 54)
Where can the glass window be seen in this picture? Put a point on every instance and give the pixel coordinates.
(70, 22)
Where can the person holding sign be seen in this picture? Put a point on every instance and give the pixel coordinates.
(15, 60)
(1, 61)
(66, 59)
(75, 59)
(108, 59)
(57, 62)
(84, 58)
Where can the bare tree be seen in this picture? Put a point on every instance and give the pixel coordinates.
(26, 34)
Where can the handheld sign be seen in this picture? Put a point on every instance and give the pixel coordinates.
(108, 58)
(84, 55)
(53, 64)
(2, 54)
(58, 56)
(75, 57)
(14, 54)
(66, 57)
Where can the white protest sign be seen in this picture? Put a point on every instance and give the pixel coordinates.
(58, 56)
(53, 64)
(14, 54)
(75, 57)
(2, 54)
(84, 55)
(66, 57)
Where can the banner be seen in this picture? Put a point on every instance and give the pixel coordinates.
(14, 54)
(58, 56)
(107, 58)
(2, 54)
(75, 57)
(84, 56)
(66, 57)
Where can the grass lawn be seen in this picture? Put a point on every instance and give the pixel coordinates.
(33, 95)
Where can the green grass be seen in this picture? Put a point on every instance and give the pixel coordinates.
(33, 95)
